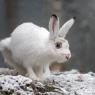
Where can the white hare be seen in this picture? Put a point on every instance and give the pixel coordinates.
(30, 49)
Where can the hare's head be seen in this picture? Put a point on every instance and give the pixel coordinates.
(60, 46)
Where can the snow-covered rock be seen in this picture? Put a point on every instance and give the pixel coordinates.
(66, 83)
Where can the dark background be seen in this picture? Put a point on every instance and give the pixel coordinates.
(81, 37)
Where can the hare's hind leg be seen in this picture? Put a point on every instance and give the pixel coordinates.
(8, 57)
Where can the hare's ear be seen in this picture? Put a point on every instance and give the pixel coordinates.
(66, 27)
(53, 26)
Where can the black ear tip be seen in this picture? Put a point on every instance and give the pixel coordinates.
(74, 17)
(54, 15)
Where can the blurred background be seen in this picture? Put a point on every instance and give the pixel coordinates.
(81, 37)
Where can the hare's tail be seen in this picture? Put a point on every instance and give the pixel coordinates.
(5, 43)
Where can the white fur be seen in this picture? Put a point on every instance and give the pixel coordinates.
(30, 50)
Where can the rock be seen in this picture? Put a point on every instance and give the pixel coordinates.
(66, 83)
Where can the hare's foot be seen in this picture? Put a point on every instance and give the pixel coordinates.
(31, 74)
(47, 71)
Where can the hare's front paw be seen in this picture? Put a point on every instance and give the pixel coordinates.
(32, 76)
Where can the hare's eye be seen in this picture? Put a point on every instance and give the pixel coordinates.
(58, 45)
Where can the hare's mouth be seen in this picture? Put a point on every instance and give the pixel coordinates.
(62, 60)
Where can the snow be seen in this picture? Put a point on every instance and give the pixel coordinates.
(66, 83)
(76, 83)
(15, 84)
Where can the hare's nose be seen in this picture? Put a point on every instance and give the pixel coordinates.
(68, 56)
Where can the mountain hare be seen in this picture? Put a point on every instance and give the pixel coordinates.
(30, 49)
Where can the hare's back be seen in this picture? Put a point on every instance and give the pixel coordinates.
(29, 32)
(28, 36)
